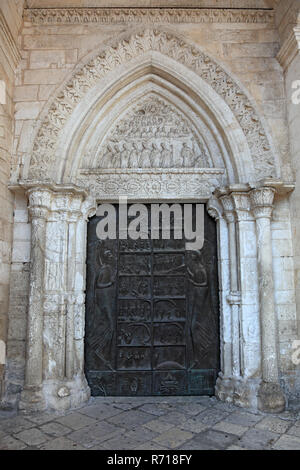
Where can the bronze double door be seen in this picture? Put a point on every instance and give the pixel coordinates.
(152, 315)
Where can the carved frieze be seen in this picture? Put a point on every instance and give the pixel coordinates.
(151, 184)
(146, 15)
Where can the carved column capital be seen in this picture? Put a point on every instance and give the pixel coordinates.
(228, 207)
(214, 208)
(235, 201)
(262, 201)
(39, 202)
(242, 205)
(89, 207)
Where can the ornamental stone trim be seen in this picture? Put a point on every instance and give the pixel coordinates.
(50, 16)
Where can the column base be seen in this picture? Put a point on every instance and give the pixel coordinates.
(63, 395)
(55, 395)
(32, 400)
(271, 398)
(238, 391)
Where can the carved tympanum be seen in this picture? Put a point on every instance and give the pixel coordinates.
(153, 135)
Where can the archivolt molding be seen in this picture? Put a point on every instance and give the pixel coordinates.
(43, 155)
(145, 15)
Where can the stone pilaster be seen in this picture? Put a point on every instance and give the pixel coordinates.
(270, 395)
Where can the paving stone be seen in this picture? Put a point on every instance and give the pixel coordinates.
(153, 423)
(121, 443)
(258, 439)
(93, 435)
(14, 425)
(193, 425)
(211, 416)
(287, 443)
(10, 443)
(206, 401)
(98, 447)
(154, 409)
(217, 439)
(130, 418)
(294, 431)
(173, 438)
(192, 409)
(41, 418)
(75, 421)
(150, 446)
(159, 426)
(61, 443)
(32, 437)
(273, 424)
(174, 417)
(55, 429)
(125, 406)
(198, 444)
(235, 448)
(227, 407)
(230, 428)
(173, 406)
(142, 434)
(244, 418)
(100, 411)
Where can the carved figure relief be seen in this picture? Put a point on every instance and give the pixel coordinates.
(153, 135)
(103, 305)
(152, 316)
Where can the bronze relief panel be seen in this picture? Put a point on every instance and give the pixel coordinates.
(152, 316)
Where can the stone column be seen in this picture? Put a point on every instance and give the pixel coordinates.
(249, 325)
(54, 377)
(88, 209)
(248, 286)
(234, 296)
(270, 395)
(223, 385)
(64, 385)
(32, 398)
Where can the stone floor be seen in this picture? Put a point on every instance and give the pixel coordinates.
(152, 423)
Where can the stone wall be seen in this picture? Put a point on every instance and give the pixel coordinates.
(287, 20)
(10, 23)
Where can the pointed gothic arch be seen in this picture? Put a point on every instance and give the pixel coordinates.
(181, 64)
